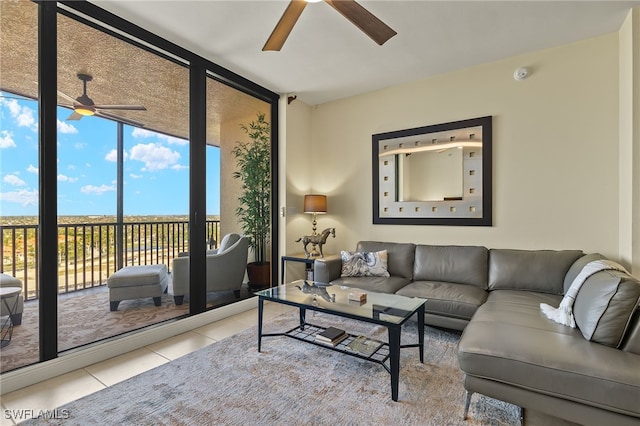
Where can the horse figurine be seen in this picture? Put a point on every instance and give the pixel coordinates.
(318, 240)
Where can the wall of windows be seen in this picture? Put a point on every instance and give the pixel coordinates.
(123, 153)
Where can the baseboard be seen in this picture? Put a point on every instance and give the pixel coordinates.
(27, 376)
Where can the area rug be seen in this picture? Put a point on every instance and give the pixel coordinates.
(84, 317)
(293, 383)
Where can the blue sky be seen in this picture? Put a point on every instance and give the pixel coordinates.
(156, 167)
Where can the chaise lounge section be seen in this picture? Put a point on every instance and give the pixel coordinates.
(509, 349)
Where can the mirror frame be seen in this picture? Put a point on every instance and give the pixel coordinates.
(482, 218)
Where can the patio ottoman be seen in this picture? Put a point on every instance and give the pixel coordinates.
(135, 282)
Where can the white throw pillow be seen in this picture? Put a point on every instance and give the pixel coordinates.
(364, 264)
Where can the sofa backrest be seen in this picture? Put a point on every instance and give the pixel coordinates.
(452, 264)
(543, 271)
(399, 256)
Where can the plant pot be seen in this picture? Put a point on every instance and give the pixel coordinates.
(259, 274)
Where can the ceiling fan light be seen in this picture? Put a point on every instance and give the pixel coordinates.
(313, 1)
(84, 110)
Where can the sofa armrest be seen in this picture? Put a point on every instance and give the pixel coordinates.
(327, 269)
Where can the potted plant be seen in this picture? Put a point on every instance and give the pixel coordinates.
(253, 160)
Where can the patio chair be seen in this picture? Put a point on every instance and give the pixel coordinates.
(225, 268)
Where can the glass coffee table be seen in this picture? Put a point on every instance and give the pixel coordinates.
(388, 310)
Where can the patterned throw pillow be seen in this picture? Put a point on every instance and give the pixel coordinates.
(364, 264)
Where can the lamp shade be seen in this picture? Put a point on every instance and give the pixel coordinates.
(314, 203)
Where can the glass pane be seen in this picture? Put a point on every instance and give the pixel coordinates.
(122, 184)
(228, 111)
(19, 182)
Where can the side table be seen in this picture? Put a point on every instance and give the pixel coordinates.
(299, 257)
(6, 330)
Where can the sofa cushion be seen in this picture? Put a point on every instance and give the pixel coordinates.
(535, 270)
(577, 266)
(399, 256)
(364, 264)
(450, 300)
(451, 264)
(378, 284)
(604, 306)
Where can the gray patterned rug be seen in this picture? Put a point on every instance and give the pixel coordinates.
(293, 383)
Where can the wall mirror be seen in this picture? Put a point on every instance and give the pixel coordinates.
(434, 175)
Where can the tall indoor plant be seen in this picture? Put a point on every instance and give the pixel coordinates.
(253, 160)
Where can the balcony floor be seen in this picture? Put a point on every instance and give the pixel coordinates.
(84, 318)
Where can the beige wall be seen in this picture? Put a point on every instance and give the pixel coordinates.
(556, 150)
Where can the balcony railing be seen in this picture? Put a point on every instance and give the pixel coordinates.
(87, 252)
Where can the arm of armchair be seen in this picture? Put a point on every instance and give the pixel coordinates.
(180, 275)
(327, 269)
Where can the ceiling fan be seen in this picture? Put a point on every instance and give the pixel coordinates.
(84, 106)
(354, 12)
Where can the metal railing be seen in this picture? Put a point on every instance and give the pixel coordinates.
(87, 252)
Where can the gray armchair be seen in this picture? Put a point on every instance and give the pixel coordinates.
(225, 268)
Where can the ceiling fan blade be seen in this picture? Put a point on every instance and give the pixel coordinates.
(363, 19)
(285, 25)
(118, 118)
(74, 116)
(67, 97)
(122, 107)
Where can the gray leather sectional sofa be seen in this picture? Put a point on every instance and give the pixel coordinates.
(509, 350)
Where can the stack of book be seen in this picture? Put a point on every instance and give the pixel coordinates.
(331, 336)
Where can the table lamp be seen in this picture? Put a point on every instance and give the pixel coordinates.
(315, 204)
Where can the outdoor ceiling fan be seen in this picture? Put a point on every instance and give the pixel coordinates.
(354, 12)
(84, 106)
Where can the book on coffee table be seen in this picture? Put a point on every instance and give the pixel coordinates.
(364, 345)
(331, 335)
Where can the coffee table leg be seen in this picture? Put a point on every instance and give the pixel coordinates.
(303, 315)
(260, 308)
(421, 332)
(394, 359)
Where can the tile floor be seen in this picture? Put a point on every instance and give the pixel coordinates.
(68, 387)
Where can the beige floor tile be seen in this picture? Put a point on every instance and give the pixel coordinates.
(180, 345)
(249, 318)
(52, 393)
(122, 367)
(5, 419)
(224, 328)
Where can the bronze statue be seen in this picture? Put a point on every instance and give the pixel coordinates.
(318, 240)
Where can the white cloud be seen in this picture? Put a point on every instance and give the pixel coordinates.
(98, 190)
(113, 156)
(179, 167)
(154, 156)
(143, 133)
(23, 197)
(134, 176)
(79, 145)
(23, 115)
(64, 178)
(71, 167)
(66, 128)
(6, 140)
(13, 180)
(32, 169)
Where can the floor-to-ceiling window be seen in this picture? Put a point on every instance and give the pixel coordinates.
(123, 164)
(19, 174)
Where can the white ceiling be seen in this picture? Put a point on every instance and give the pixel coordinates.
(327, 58)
